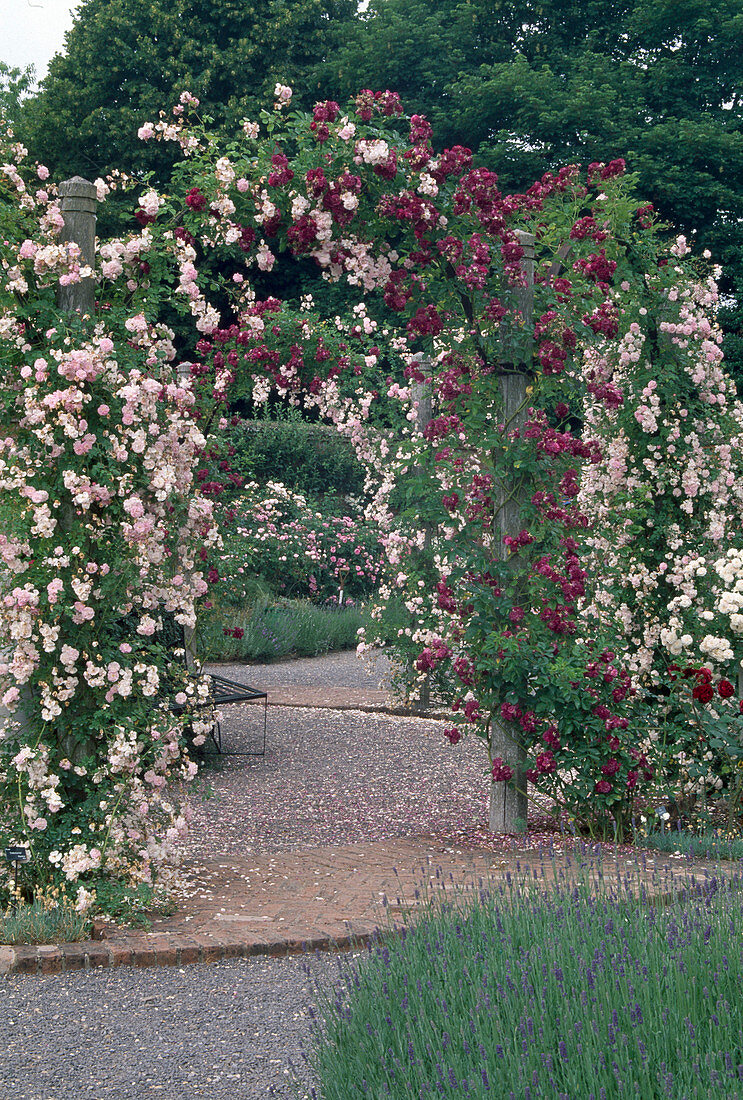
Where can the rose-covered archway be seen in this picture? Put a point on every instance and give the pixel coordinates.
(545, 528)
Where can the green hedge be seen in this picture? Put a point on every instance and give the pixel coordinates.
(309, 458)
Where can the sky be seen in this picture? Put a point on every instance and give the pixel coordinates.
(32, 31)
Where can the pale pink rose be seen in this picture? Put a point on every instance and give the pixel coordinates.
(11, 697)
(42, 172)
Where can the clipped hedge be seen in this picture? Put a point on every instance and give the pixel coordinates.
(309, 458)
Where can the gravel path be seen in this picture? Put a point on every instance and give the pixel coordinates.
(335, 777)
(333, 670)
(232, 1030)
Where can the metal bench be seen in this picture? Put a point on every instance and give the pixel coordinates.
(223, 692)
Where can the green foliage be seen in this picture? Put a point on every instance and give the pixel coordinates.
(713, 844)
(15, 84)
(44, 920)
(292, 628)
(133, 905)
(566, 993)
(126, 60)
(308, 458)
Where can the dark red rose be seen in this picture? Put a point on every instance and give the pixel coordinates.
(703, 692)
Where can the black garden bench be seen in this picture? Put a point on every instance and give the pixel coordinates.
(222, 692)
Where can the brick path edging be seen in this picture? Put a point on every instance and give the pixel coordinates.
(173, 949)
(163, 949)
(140, 949)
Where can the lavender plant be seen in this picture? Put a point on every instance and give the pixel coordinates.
(571, 994)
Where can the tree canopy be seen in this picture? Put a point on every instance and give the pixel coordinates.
(125, 60)
(531, 86)
(14, 85)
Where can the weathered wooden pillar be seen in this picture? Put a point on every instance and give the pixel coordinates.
(78, 205)
(508, 801)
(422, 393)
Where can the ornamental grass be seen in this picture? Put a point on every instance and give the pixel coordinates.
(717, 844)
(516, 994)
(44, 920)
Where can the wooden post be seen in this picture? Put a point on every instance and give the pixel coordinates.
(422, 394)
(508, 803)
(78, 206)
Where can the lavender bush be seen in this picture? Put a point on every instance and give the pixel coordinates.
(570, 994)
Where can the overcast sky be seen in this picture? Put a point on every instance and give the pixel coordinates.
(32, 31)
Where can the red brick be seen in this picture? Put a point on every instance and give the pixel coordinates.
(119, 953)
(167, 955)
(210, 949)
(74, 955)
(97, 954)
(232, 946)
(188, 951)
(165, 946)
(144, 956)
(308, 941)
(26, 960)
(253, 944)
(340, 943)
(275, 945)
(50, 959)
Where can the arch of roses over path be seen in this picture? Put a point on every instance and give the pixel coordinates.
(562, 532)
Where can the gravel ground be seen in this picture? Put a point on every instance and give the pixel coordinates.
(335, 777)
(234, 1030)
(230, 1030)
(334, 670)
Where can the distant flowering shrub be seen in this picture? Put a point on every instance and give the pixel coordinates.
(296, 548)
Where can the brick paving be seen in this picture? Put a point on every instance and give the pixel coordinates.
(336, 897)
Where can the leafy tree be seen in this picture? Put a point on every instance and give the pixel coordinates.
(536, 84)
(14, 85)
(125, 60)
